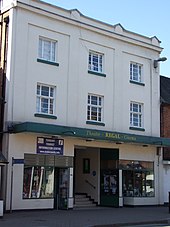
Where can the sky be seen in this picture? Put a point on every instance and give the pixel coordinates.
(146, 17)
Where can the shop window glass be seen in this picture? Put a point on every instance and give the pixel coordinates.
(138, 178)
(38, 182)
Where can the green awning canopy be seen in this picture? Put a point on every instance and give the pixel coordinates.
(89, 134)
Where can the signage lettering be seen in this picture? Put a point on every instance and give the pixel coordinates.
(111, 135)
(50, 146)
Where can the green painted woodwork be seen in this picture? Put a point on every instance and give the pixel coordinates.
(47, 62)
(137, 129)
(135, 82)
(112, 201)
(45, 116)
(95, 123)
(96, 73)
(109, 154)
(85, 133)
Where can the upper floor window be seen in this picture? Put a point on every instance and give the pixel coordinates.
(45, 99)
(95, 62)
(136, 115)
(136, 72)
(95, 108)
(47, 49)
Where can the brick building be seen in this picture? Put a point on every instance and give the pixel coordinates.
(165, 130)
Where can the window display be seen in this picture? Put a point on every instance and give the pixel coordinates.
(38, 182)
(110, 183)
(138, 178)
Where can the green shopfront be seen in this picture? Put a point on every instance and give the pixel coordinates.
(120, 168)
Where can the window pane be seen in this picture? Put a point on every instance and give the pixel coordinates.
(131, 106)
(45, 91)
(45, 99)
(131, 116)
(100, 101)
(140, 121)
(96, 62)
(38, 104)
(38, 182)
(53, 51)
(93, 100)
(94, 108)
(51, 92)
(135, 72)
(138, 178)
(135, 107)
(94, 113)
(47, 49)
(99, 114)
(89, 99)
(44, 105)
(135, 119)
(40, 49)
(38, 89)
(135, 114)
(90, 62)
(51, 106)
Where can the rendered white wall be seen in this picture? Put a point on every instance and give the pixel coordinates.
(166, 176)
(71, 77)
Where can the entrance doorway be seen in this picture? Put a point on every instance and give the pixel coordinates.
(97, 174)
(87, 173)
(61, 188)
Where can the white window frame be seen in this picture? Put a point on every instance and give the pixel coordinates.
(95, 108)
(48, 54)
(136, 115)
(95, 66)
(45, 103)
(136, 72)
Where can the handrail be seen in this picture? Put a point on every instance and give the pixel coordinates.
(90, 184)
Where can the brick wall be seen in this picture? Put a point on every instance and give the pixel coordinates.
(165, 128)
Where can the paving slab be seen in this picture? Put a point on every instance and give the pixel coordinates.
(92, 217)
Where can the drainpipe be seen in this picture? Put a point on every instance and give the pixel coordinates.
(5, 22)
(2, 98)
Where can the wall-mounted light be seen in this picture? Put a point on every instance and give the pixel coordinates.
(69, 133)
(119, 142)
(155, 63)
(89, 140)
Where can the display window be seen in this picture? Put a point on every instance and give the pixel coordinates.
(38, 182)
(138, 178)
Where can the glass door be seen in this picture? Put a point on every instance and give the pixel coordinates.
(109, 190)
(61, 188)
(109, 177)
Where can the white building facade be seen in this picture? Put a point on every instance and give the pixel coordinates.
(82, 111)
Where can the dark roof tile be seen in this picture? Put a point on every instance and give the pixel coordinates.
(165, 89)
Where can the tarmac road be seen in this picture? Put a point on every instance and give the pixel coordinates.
(92, 217)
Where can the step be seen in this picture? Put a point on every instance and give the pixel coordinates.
(80, 196)
(83, 201)
(84, 205)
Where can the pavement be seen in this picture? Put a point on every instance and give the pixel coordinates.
(89, 217)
